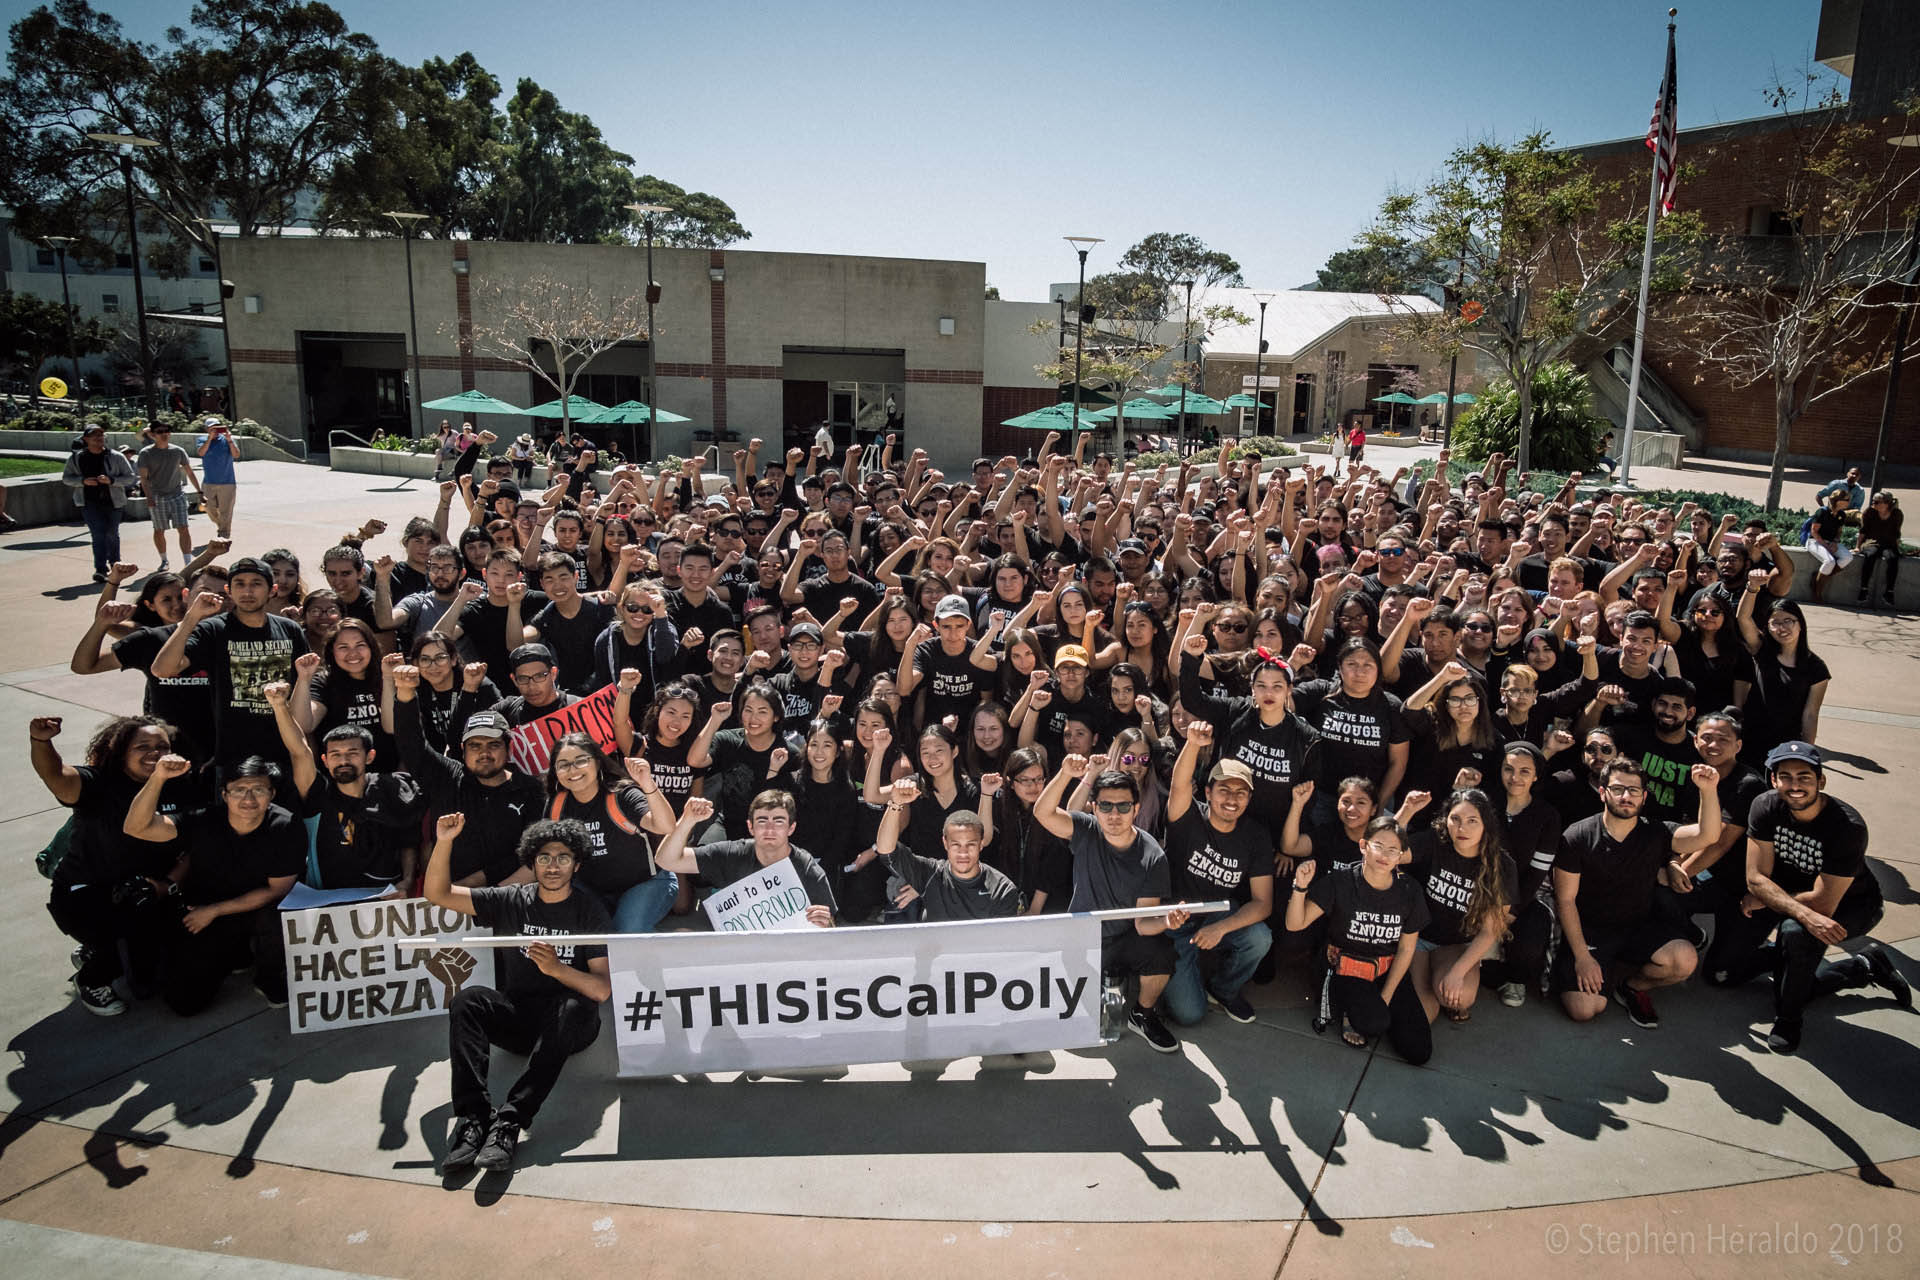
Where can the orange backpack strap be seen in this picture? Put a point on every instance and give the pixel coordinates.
(619, 818)
(554, 809)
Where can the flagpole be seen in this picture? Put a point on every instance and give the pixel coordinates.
(1646, 280)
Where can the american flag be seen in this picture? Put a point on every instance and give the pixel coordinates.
(1663, 133)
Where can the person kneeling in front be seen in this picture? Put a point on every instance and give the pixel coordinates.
(1116, 865)
(959, 888)
(547, 1004)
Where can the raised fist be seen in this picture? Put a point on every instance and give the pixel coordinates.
(406, 677)
(276, 693)
(449, 825)
(452, 966)
(699, 810)
(906, 790)
(43, 728)
(1074, 766)
(172, 766)
(305, 665)
(472, 676)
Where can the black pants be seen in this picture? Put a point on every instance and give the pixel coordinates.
(1869, 560)
(1797, 960)
(1524, 954)
(547, 1029)
(197, 963)
(1403, 1022)
(89, 915)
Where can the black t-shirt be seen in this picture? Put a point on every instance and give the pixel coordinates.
(241, 661)
(986, 895)
(622, 854)
(223, 864)
(801, 696)
(483, 632)
(712, 616)
(1451, 882)
(1617, 877)
(1355, 733)
(516, 910)
(1834, 843)
(671, 772)
(1740, 786)
(1432, 767)
(1532, 836)
(99, 851)
(1572, 794)
(741, 772)
(1207, 863)
(950, 683)
(1364, 921)
(1638, 708)
(1106, 878)
(1332, 848)
(725, 861)
(1671, 795)
(358, 840)
(822, 596)
(351, 700)
(184, 701)
(1035, 858)
(405, 580)
(1777, 707)
(572, 641)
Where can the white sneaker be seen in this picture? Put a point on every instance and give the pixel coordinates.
(163, 565)
(1513, 994)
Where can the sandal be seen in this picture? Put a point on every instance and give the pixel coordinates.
(1353, 1038)
(1459, 1015)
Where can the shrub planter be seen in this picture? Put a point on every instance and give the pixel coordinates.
(57, 442)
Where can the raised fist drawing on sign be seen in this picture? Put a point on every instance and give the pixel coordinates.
(453, 966)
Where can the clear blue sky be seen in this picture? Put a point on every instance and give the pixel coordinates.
(986, 131)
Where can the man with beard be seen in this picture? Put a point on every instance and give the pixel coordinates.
(499, 801)
(546, 999)
(1807, 876)
(1607, 886)
(417, 611)
(1574, 792)
(366, 825)
(1665, 751)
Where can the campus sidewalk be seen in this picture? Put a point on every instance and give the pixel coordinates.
(1259, 1150)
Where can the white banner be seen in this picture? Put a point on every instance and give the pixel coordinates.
(358, 965)
(694, 1002)
(770, 898)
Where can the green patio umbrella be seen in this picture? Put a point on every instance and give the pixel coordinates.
(1438, 397)
(1197, 403)
(1139, 408)
(629, 412)
(1466, 397)
(1394, 398)
(1054, 417)
(1241, 400)
(471, 402)
(578, 409)
(1087, 395)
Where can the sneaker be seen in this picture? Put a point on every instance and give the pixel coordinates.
(1698, 936)
(1237, 1008)
(1638, 1004)
(1146, 1024)
(99, 577)
(1880, 965)
(1513, 994)
(79, 956)
(502, 1137)
(1784, 1039)
(164, 566)
(102, 1000)
(463, 1144)
(274, 993)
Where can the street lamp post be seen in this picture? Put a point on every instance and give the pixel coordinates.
(1081, 245)
(1453, 365)
(647, 214)
(1260, 360)
(406, 222)
(60, 244)
(1905, 314)
(126, 143)
(1186, 358)
(226, 340)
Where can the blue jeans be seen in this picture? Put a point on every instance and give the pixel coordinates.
(103, 523)
(641, 908)
(1240, 952)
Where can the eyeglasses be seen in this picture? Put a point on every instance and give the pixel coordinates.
(638, 521)
(1464, 700)
(1381, 849)
(568, 766)
(1477, 626)
(552, 859)
(433, 659)
(1626, 792)
(535, 678)
(1231, 628)
(1030, 780)
(1114, 806)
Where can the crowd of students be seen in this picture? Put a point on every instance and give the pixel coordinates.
(1421, 740)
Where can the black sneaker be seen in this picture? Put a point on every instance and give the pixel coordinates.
(1638, 1004)
(1784, 1039)
(1237, 1008)
(79, 956)
(101, 1000)
(274, 993)
(1146, 1024)
(464, 1142)
(502, 1137)
(1880, 965)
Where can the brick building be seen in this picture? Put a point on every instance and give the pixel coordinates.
(1730, 171)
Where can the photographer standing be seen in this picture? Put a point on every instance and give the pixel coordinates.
(218, 450)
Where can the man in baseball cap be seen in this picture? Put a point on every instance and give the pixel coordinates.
(1045, 724)
(1807, 867)
(955, 670)
(1215, 851)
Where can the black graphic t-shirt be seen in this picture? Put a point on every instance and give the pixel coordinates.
(241, 661)
(1355, 733)
(1210, 864)
(952, 684)
(183, 701)
(1450, 881)
(1832, 844)
(515, 910)
(1365, 921)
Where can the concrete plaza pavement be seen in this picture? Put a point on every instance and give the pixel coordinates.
(1259, 1150)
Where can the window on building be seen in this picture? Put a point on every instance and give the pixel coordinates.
(123, 260)
(110, 303)
(1764, 220)
(43, 257)
(206, 264)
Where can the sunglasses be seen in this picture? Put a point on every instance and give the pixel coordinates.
(1476, 626)
(1231, 628)
(640, 609)
(1392, 552)
(1114, 806)
(1133, 759)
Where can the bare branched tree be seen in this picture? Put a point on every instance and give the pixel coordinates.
(1806, 309)
(553, 329)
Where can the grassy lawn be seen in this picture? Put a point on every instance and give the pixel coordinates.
(29, 467)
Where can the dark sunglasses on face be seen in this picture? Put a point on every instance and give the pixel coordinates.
(1133, 759)
(1392, 551)
(1476, 626)
(1114, 806)
(1231, 628)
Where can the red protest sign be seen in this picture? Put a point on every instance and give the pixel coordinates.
(530, 746)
